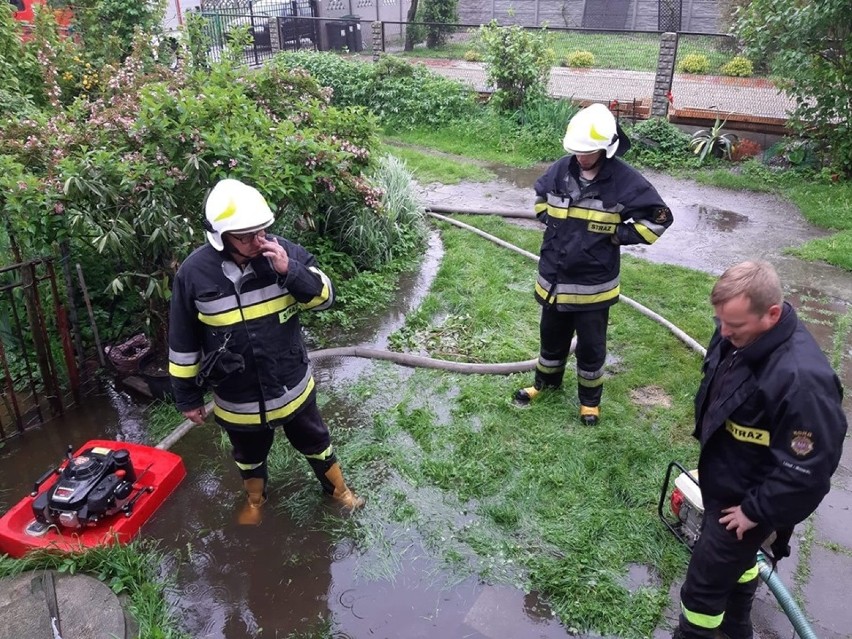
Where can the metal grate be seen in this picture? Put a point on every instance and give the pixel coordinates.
(606, 14)
(671, 14)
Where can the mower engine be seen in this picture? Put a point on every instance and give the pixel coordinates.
(93, 485)
(685, 503)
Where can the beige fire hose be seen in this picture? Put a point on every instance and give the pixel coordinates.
(418, 361)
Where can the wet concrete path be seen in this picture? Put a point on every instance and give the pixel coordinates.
(286, 577)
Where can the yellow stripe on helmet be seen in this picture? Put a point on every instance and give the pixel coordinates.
(228, 212)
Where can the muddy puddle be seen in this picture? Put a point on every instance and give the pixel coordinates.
(287, 576)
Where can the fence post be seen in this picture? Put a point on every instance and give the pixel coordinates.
(665, 73)
(275, 34)
(378, 44)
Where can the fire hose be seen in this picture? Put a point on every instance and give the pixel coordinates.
(767, 574)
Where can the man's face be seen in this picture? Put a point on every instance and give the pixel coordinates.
(740, 325)
(248, 245)
(588, 160)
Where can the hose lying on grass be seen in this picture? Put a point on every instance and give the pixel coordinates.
(417, 361)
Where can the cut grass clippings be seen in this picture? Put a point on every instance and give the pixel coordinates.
(527, 497)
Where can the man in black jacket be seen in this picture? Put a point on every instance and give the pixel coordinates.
(769, 419)
(234, 328)
(592, 203)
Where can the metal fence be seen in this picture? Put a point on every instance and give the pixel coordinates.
(591, 65)
(39, 373)
(272, 34)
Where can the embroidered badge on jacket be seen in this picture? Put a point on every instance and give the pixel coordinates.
(802, 443)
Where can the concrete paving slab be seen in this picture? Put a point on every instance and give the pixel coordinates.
(833, 516)
(88, 609)
(826, 593)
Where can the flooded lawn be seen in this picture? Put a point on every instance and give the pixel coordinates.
(288, 576)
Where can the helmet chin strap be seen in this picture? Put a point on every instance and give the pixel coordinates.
(598, 162)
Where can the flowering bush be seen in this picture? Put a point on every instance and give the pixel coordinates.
(122, 171)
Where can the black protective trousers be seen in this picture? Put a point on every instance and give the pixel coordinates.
(306, 431)
(556, 331)
(721, 581)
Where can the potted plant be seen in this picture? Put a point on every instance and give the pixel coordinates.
(713, 141)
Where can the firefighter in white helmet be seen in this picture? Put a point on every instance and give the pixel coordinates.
(234, 329)
(591, 203)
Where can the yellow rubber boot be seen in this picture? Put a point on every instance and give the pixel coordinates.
(590, 415)
(524, 396)
(342, 495)
(251, 513)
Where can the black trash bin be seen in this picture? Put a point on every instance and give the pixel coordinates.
(337, 35)
(353, 33)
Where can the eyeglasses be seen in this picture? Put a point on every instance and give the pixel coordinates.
(247, 238)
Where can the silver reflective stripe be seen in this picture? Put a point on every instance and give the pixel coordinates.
(578, 289)
(590, 374)
(184, 359)
(657, 229)
(230, 302)
(253, 408)
(552, 362)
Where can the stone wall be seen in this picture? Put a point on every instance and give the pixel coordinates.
(641, 15)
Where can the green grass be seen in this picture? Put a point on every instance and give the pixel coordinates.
(428, 168)
(628, 51)
(835, 249)
(527, 497)
(487, 138)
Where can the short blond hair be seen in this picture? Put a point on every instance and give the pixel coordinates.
(757, 280)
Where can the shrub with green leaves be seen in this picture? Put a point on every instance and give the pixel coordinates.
(518, 63)
(582, 59)
(472, 55)
(694, 63)
(401, 95)
(810, 46)
(738, 66)
(659, 144)
(125, 171)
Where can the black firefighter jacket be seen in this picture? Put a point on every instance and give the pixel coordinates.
(580, 259)
(250, 317)
(773, 434)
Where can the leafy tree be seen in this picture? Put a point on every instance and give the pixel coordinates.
(518, 63)
(443, 12)
(809, 44)
(107, 27)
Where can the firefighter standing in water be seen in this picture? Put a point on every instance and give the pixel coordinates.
(592, 203)
(234, 327)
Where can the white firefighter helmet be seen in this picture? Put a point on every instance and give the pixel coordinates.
(592, 129)
(234, 207)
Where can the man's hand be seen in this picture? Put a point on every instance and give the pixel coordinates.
(276, 253)
(735, 519)
(196, 415)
